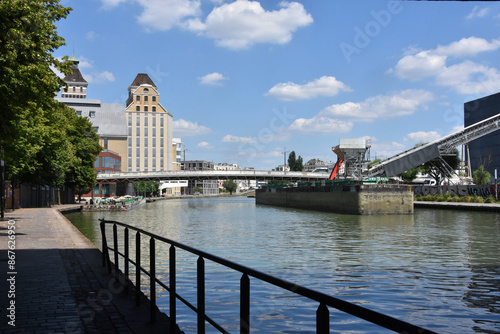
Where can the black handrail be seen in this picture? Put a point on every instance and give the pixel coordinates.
(322, 313)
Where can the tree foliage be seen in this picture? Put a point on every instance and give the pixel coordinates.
(482, 176)
(145, 188)
(230, 186)
(295, 164)
(43, 141)
(31, 124)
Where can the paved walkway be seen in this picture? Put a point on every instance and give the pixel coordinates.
(54, 281)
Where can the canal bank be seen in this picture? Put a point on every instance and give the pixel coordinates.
(54, 281)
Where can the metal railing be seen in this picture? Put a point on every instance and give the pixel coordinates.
(324, 301)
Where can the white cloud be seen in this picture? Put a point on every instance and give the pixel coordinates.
(385, 149)
(466, 77)
(213, 79)
(99, 77)
(422, 137)
(324, 86)
(340, 118)
(183, 128)
(165, 14)
(478, 13)
(205, 145)
(109, 4)
(381, 106)
(468, 47)
(243, 23)
(321, 125)
(91, 35)
(236, 139)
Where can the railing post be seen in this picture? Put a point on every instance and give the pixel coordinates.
(244, 304)
(126, 259)
(137, 269)
(105, 253)
(322, 319)
(173, 293)
(201, 295)
(115, 244)
(152, 279)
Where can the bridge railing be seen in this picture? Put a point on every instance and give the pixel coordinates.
(211, 174)
(324, 301)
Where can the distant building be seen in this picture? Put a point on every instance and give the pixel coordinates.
(149, 128)
(315, 164)
(241, 184)
(203, 187)
(138, 135)
(281, 168)
(107, 119)
(77, 85)
(485, 150)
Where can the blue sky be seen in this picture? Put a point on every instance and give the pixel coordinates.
(248, 80)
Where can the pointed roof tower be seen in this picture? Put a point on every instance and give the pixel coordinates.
(142, 79)
(77, 85)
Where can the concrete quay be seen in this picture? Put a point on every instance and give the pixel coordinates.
(52, 281)
(458, 206)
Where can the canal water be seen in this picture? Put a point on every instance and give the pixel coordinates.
(439, 269)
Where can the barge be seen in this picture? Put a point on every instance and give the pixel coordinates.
(343, 196)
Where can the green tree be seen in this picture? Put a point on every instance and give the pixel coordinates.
(437, 171)
(81, 175)
(481, 176)
(27, 85)
(230, 186)
(145, 188)
(295, 164)
(411, 174)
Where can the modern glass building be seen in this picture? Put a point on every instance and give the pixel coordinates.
(485, 150)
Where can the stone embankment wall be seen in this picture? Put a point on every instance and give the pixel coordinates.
(350, 199)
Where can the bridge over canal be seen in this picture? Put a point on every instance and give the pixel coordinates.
(259, 175)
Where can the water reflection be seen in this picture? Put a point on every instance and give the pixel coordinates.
(437, 268)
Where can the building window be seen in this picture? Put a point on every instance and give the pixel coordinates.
(145, 97)
(154, 120)
(105, 143)
(145, 132)
(146, 90)
(146, 120)
(154, 98)
(137, 121)
(81, 89)
(146, 108)
(138, 98)
(79, 112)
(137, 141)
(74, 89)
(137, 108)
(92, 113)
(129, 120)
(154, 108)
(96, 163)
(129, 168)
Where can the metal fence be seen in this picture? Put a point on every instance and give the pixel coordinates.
(324, 301)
